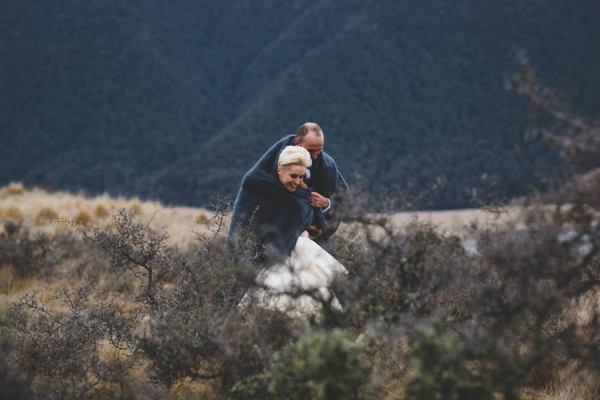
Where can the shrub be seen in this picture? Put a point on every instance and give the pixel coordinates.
(36, 254)
(323, 365)
(396, 271)
(134, 247)
(63, 348)
(14, 384)
(441, 369)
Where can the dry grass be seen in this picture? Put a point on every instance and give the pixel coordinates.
(12, 212)
(101, 212)
(567, 385)
(187, 389)
(46, 214)
(41, 210)
(12, 189)
(458, 222)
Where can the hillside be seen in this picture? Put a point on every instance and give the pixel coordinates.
(174, 103)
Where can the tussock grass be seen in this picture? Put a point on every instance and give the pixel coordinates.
(13, 213)
(567, 384)
(45, 215)
(82, 217)
(40, 210)
(101, 212)
(12, 189)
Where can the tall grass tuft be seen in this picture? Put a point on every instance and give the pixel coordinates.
(83, 217)
(46, 215)
(13, 189)
(12, 213)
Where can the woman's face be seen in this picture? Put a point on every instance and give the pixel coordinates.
(291, 176)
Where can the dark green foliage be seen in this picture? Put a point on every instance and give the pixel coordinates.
(398, 271)
(442, 371)
(320, 366)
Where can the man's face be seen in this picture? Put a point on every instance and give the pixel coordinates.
(312, 143)
(291, 176)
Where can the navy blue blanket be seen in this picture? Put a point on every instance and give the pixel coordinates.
(274, 216)
(325, 178)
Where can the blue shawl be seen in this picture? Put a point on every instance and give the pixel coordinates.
(274, 216)
(325, 179)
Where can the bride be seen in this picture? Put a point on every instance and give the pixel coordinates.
(276, 213)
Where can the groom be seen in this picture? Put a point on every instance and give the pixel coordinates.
(323, 177)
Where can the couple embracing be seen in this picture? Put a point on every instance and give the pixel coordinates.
(286, 207)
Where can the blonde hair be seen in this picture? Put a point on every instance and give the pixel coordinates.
(294, 155)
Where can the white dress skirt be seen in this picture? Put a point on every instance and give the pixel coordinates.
(298, 285)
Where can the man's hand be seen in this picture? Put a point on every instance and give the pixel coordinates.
(318, 201)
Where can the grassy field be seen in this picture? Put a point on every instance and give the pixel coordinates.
(46, 211)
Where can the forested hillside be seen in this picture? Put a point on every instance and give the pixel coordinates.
(174, 101)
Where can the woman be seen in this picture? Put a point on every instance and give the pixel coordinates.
(275, 212)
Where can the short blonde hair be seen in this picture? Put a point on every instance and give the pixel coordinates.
(294, 155)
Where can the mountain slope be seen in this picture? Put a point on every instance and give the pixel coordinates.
(176, 102)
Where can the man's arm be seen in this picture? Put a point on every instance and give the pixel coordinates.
(336, 182)
(319, 201)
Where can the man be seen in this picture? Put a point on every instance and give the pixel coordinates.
(323, 178)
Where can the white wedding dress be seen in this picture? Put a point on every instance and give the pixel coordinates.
(298, 285)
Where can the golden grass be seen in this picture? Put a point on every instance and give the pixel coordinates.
(457, 222)
(202, 218)
(567, 385)
(136, 208)
(12, 189)
(11, 212)
(101, 212)
(46, 215)
(82, 217)
(188, 389)
(41, 211)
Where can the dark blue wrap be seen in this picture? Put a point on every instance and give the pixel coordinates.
(275, 216)
(325, 179)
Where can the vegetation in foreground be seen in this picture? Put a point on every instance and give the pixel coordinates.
(134, 316)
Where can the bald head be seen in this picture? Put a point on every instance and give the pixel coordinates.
(310, 136)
